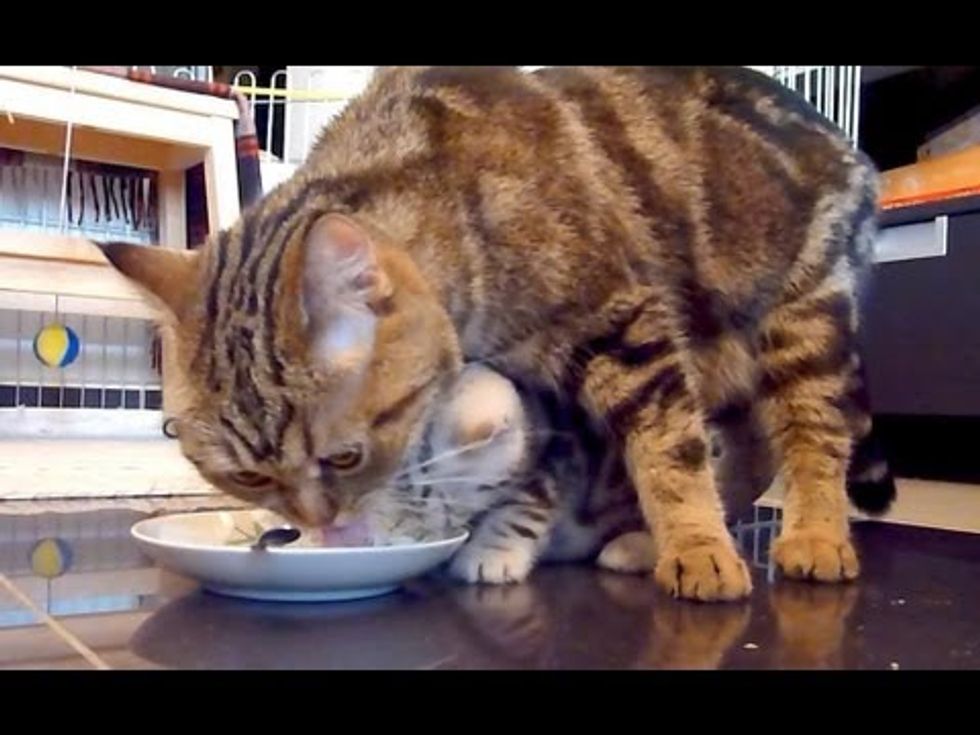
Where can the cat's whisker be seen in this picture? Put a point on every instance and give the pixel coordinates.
(428, 511)
(448, 454)
(429, 481)
(442, 502)
(381, 501)
(441, 499)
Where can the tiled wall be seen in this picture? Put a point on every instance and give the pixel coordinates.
(115, 367)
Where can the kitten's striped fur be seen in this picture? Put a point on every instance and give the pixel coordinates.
(520, 468)
(655, 243)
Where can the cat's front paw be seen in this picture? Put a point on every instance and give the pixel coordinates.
(480, 564)
(708, 571)
(816, 554)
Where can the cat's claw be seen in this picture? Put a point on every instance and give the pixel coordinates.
(480, 565)
(708, 572)
(818, 555)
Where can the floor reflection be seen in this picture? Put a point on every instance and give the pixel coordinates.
(202, 630)
(914, 605)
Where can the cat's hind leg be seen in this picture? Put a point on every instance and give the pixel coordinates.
(642, 385)
(807, 358)
(808, 362)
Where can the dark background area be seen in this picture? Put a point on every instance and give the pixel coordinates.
(900, 110)
(922, 352)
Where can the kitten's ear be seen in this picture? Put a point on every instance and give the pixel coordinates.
(166, 274)
(485, 404)
(344, 287)
(469, 430)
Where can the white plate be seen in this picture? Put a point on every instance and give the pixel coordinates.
(196, 545)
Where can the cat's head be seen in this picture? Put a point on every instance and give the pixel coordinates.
(306, 357)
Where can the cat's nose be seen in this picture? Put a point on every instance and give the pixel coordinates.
(315, 504)
(328, 510)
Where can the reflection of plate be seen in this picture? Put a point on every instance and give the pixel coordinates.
(197, 545)
(409, 630)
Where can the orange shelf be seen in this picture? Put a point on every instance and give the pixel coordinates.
(947, 177)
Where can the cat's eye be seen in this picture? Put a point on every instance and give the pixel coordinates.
(347, 459)
(249, 479)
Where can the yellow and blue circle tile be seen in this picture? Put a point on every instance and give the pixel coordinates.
(56, 345)
(50, 558)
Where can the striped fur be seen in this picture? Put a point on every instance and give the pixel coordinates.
(653, 243)
(525, 471)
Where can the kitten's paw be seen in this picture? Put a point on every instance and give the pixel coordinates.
(479, 564)
(816, 554)
(511, 618)
(629, 553)
(708, 571)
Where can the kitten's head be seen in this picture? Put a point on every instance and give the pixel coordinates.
(477, 443)
(480, 432)
(307, 356)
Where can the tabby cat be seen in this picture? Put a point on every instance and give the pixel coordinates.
(656, 244)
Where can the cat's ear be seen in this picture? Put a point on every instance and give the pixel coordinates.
(344, 287)
(166, 275)
(341, 266)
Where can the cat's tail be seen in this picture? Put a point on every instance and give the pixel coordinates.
(870, 483)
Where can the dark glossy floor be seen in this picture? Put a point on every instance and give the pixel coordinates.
(916, 607)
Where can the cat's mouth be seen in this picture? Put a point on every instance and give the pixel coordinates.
(344, 532)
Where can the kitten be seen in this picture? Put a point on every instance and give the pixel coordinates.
(526, 480)
(534, 481)
(655, 245)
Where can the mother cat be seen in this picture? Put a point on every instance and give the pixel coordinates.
(658, 243)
